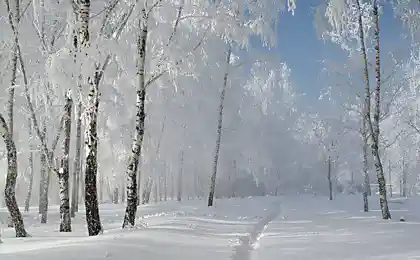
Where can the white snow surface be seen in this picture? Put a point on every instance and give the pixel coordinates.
(298, 227)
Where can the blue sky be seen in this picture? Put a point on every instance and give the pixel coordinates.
(300, 48)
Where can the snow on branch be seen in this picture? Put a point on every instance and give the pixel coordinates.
(340, 18)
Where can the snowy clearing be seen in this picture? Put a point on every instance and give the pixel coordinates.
(298, 227)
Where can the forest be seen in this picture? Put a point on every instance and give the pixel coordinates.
(136, 102)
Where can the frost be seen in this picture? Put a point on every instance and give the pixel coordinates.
(266, 84)
(342, 17)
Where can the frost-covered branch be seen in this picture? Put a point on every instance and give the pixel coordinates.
(156, 75)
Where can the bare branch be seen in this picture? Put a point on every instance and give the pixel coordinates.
(157, 75)
(108, 11)
(58, 133)
(412, 125)
(388, 144)
(25, 9)
(176, 23)
(153, 7)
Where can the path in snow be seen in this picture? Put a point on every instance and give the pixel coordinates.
(248, 243)
(187, 230)
(307, 228)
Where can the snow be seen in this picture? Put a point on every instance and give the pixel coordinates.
(297, 227)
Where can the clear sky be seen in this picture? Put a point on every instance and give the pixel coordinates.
(300, 48)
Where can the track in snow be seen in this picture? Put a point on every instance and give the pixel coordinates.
(248, 243)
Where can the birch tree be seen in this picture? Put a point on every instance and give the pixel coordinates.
(63, 173)
(163, 67)
(91, 136)
(343, 17)
(366, 186)
(242, 27)
(78, 141)
(130, 213)
(30, 168)
(14, 19)
(374, 126)
(12, 172)
(219, 129)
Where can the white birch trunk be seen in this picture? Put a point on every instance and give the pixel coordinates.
(373, 127)
(390, 178)
(77, 161)
(43, 183)
(404, 179)
(91, 137)
(9, 190)
(366, 185)
(180, 179)
(329, 179)
(139, 183)
(78, 143)
(31, 170)
(147, 191)
(63, 173)
(172, 186)
(115, 196)
(376, 131)
(130, 213)
(155, 192)
(14, 18)
(165, 184)
(91, 148)
(219, 131)
(123, 192)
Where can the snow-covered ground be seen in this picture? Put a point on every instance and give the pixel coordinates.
(300, 227)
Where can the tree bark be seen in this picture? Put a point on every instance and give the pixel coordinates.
(91, 147)
(390, 178)
(63, 173)
(155, 192)
(376, 117)
(115, 196)
(147, 191)
(14, 19)
(219, 131)
(366, 186)
(165, 184)
(404, 179)
(9, 191)
(31, 169)
(43, 183)
(180, 179)
(139, 183)
(374, 127)
(78, 142)
(329, 179)
(91, 136)
(77, 161)
(130, 213)
(172, 187)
